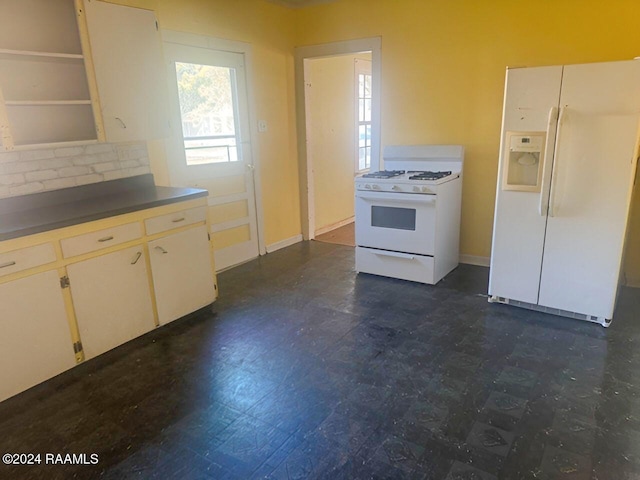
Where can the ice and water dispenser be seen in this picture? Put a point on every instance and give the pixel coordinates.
(524, 159)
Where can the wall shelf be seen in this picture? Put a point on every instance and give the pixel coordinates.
(45, 103)
(4, 52)
(44, 87)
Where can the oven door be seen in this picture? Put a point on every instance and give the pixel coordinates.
(402, 222)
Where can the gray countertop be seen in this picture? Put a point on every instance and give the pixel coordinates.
(40, 212)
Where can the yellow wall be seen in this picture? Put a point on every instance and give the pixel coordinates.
(270, 30)
(331, 136)
(443, 65)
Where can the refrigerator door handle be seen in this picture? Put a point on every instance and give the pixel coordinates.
(554, 176)
(552, 123)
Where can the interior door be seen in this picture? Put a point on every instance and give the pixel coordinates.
(212, 149)
(531, 96)
(591, 187)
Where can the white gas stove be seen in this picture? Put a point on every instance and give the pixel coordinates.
(408, 217)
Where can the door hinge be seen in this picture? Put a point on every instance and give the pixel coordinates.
(77, 347)
(64, 282)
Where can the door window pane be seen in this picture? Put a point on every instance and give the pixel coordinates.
(364, 121)
(207, 109)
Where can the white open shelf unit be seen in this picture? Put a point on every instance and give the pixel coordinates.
(44, 93)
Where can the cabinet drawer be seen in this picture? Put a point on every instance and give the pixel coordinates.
(24, 258)
(90, 242)
(163, 223)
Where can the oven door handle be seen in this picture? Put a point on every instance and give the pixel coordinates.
(412, 198)
(394, 254)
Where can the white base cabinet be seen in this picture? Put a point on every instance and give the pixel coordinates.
(71, 294)
(112, 299)
(35, 343)
(181, 270)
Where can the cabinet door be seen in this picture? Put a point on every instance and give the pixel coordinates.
(126, 47)
(112, 299)
(36, 342)
(182, 273)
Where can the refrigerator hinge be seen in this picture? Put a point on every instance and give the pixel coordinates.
(64, 282)
(77, 347)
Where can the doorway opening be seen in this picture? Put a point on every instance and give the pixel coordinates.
(338, 99)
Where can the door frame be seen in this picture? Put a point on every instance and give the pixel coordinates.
(305, 162)
(245, 49)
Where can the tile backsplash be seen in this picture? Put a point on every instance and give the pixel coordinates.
(31, 171)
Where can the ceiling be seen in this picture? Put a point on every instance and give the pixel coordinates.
(299, 3)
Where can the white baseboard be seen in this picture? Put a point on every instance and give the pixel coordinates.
(333, 226)
(634, 283)
(284, 243)
(475, 260)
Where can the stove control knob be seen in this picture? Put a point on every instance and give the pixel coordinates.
(376, 187)
(425, 189)
(416, 189)
(395, 187)
(367, 186)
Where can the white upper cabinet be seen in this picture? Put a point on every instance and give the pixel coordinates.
(126, 48)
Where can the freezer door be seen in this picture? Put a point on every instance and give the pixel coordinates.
(591, 187)
(530, 105)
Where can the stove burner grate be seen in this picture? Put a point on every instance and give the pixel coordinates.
(428, 175)
(384, 174)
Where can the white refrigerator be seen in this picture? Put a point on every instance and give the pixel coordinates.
(568, 158)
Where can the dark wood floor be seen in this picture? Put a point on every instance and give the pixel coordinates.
(303, 369)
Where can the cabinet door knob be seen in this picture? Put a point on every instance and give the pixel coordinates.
(105, 239)
(178, 220)
(135, 260)
(160, 249)
(7, 264)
